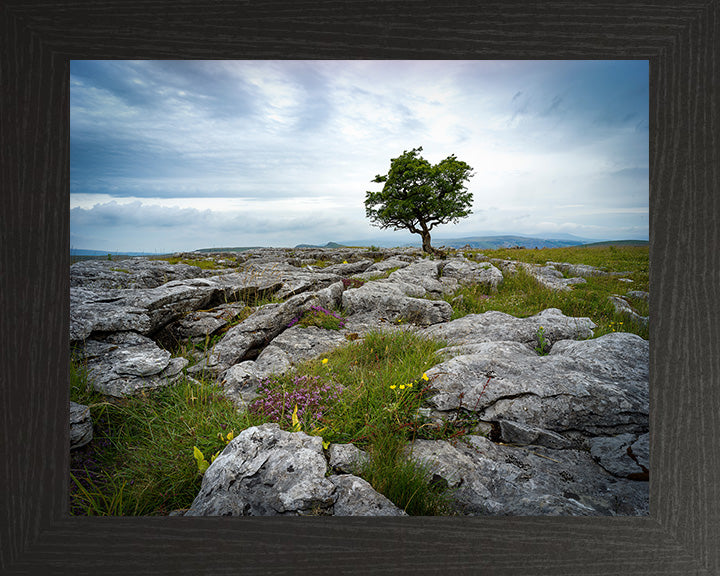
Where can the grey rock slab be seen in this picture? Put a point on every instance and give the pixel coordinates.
(250, 336)
(356, 497)
(390, 299)
(422, 274)
(240, 383)
(345, 457)
(104, 311)
(126, 362)
(387, 264)
(297, 344)
(292, 280)
(129, 273)
(265, 471)
(469, 272)
(348, 269)
(640, 451)
(593, 387)
(491, 479)
(582, 270)
(524, 434)
(547, 276)
(624, 308)
(639, 294)
(616, 454)
(81, 426)
(496, 326)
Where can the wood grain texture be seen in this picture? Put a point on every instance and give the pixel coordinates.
(681, 41)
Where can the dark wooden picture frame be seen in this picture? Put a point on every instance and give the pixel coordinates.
(682, 43)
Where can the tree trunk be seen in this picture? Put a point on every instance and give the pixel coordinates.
(426, 242)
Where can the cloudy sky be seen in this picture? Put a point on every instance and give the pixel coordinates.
(178, 155)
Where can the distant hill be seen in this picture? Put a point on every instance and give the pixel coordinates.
(494, 242)
(328, 245)
(620, 243)
(223, 249)
(83, 252)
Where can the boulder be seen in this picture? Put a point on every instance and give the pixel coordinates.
(265, 471)
(297, 344)
(345, 457)
(493, 326)
(466, 272)
(125, 363)
(424, 274)
(623, 307)
(240, 383)
(491, 479)
(587, 388)
(396, 301)
(388, 264)
(246, 340)
(520, 434)
(104, 311)
(348, 268)
(547, 276)
(355, 497)
(81, 426)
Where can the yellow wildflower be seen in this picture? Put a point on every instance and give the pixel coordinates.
(425, 376)
(402, 386)
(325, 361)
(393, 387)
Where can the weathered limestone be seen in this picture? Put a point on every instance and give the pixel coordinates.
(567, 432)
(129, 273)
(623, 307)
(470, 330)
(345, 457)
(492, 479)
(589, 388)
(355, 497)
(582, 270)
(125, 363)
(396, 301)
(265, 471)
(81, 426)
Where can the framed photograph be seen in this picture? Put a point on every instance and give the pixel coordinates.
(42, 43)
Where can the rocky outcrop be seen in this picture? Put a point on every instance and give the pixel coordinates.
(124, 363)
(467, 332)
(587, 388)
(266, 471)
(548, 276)
(493, 479)
(130, 273)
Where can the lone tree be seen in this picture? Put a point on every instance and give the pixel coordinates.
(418, 195)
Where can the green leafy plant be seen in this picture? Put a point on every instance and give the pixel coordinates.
(543, 345)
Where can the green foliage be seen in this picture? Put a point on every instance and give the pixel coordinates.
(417, 195)
(140, 461)
(542, 347)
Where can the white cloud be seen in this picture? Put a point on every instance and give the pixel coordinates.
(280, 143)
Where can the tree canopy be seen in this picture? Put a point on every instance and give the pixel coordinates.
(418, 196)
